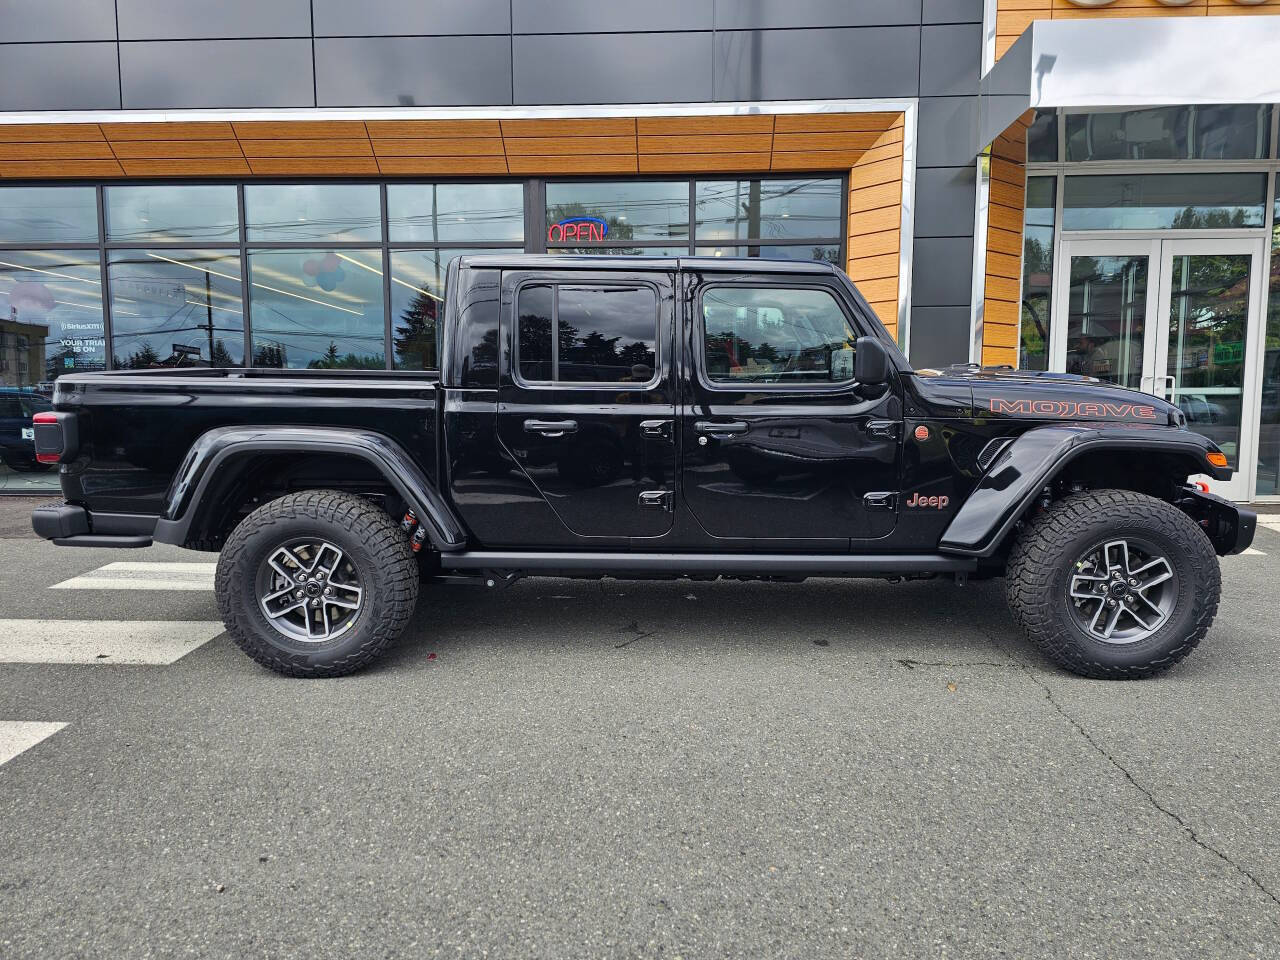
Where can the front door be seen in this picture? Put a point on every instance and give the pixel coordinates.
(587, 412)
(1171, 317)
(782, 449)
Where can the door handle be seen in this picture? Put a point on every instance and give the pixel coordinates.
(551, 428)
(720, 430)
(654, 428)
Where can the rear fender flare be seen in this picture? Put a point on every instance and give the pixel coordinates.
(1020, 472)
(222, 448)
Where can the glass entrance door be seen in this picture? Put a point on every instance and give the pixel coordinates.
(1171, 317)
(1210, 303)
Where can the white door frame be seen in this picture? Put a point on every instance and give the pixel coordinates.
(1160, 249)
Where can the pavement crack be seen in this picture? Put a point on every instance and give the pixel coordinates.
(1146, 793)
(911, 664)
(632, 627)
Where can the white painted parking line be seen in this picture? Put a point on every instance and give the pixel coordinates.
(1269, 520)
(103, 641)
(135, 575)
(1251, 552)
(19, 735)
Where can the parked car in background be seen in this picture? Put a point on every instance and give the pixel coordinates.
(17, 435)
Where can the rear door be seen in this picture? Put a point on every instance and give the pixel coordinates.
(588, 413)
(781, 446)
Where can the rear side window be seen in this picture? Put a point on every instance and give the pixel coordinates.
(604, 334)
(775, 335)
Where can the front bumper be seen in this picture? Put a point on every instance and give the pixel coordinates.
(1229, 526)
(69, 525)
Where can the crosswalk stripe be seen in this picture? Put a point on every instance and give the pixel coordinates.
(136, 575)
(19, 735)
(103, 641)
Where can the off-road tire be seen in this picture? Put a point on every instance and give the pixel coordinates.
(375, 543)
(1041, 564)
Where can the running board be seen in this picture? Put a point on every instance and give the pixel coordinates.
(761, 564)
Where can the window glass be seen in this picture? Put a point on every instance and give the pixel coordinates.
(622, 251)
(605, 334)
(580, 212)
(317, 309)
(163, 213)
(452, 212)
(1042, 137)
(825, 253)
(48, 215)
(1037, 272)
(417, 304)
(768, 209)
(176, 308)
(775, 335)
(313, 213)
(1200, 132)
(1159, 201)
(50, 316)
(1268, 472)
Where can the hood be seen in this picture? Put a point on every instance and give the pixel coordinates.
(1002, 393)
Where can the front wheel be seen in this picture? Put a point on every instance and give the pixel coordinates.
(316, 584)
(1113, 584)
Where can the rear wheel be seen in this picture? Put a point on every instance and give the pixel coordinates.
(1113, 584)
(316, 584)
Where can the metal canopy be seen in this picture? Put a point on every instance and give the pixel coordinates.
(1153, 61)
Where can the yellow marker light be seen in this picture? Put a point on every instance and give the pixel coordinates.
(1216, 458)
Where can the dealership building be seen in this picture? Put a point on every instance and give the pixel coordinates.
(1076, 185)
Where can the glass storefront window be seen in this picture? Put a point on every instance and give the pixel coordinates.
(317, 309)
(313, 213)
(417, 304)
(1042, 138)
(1037, 273)
(48, 215)
(50, 316)
(681, 251)
(157, 214)
(825, 253)
(767, 209)
(617, 212)
(1196, 132)
(1164, 201)
(455, 212)
(1268, 470)
(176, 308)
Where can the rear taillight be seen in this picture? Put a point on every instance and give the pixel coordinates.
(55, 436)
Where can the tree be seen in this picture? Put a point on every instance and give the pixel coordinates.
(415, 339)
(269, 355)
(143, 358)
(221, 356)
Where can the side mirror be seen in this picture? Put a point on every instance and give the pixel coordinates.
(871, 362)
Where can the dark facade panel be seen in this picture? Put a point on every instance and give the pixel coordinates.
(952, 11)
(59, 76)
(170, 20)
(613, 68)
(942, 272)
(945, 198)
(950, 60)
(784, 14)
(813, 64)
(592, 16)
(216, 73)
(40, 21)
(404, 18)
(939, 336)
(413, 71)
(947, 131)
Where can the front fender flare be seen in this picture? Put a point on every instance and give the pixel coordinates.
(216, 448)
(1020, 472)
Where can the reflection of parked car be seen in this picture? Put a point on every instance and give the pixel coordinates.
(17, 443)
(1200, 410)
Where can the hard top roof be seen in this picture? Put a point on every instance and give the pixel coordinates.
(548, 261)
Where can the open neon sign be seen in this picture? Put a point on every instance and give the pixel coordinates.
(577, 230)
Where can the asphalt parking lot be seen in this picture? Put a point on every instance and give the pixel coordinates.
(568, 769)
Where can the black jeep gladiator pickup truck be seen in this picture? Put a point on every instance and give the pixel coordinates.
(641, 417)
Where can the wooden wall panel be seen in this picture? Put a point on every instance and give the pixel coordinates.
(1002, 294)
(875, 215)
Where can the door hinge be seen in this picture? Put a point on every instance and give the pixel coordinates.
(659, 499)
(884, 429)
(880, 501)
(655, 428)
